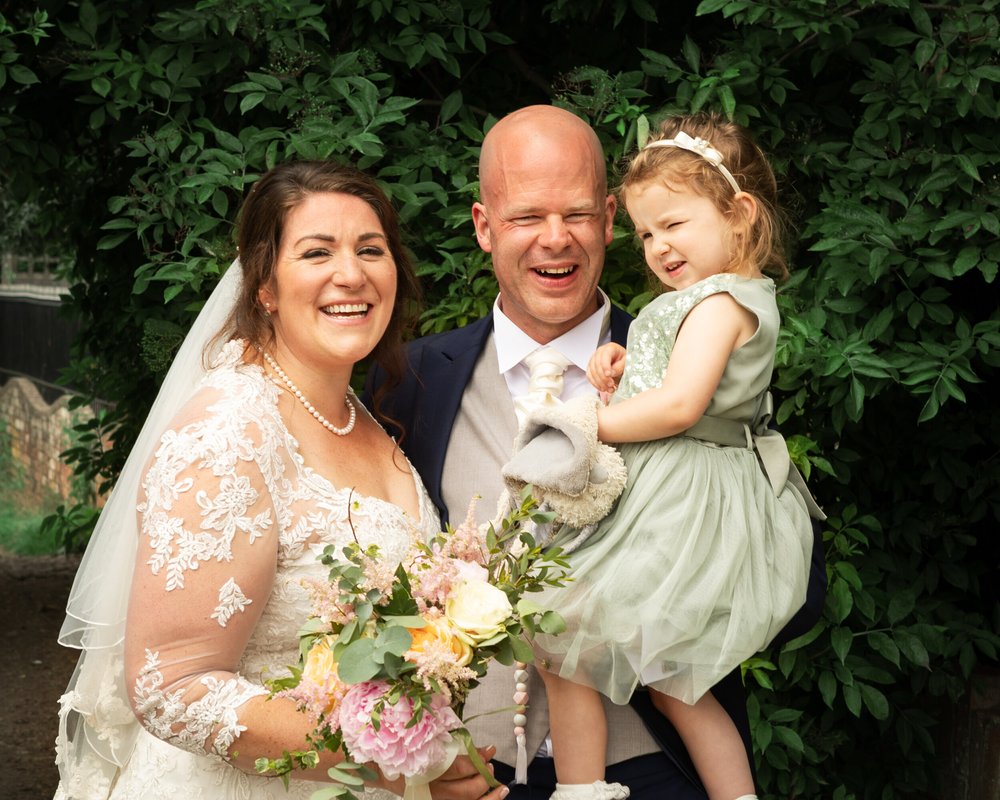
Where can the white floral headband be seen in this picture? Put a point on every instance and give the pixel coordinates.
(703, 149)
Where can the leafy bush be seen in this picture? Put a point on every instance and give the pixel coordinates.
(140, 125)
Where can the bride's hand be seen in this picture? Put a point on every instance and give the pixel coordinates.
(462, 781)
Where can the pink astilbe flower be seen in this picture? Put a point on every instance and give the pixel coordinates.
(379, 574)
(325, 605)
(396, 748)
(315, 701)
(431, 579)
(467, 542)
(437, 661)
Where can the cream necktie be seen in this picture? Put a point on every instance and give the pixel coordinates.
(545, 384)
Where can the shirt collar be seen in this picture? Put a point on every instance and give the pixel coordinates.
(578, 345)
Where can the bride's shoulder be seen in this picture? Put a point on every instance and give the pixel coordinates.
(236, 379)
(232, 396)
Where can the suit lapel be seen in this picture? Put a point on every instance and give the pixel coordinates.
(445, 370)
(620, 320)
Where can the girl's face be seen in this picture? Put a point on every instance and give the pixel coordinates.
(684, 236)
(334, 285)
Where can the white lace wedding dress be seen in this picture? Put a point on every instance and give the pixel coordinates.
(235, 582)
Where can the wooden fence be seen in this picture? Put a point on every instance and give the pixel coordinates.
(35, 334)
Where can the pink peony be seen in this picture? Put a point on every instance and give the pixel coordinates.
(395, 748)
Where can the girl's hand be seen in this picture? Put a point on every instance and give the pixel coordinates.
(606, 367)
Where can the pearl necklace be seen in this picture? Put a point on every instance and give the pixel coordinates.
(309, 406)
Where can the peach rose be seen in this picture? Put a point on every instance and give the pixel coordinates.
(438, 630)
(321, 670)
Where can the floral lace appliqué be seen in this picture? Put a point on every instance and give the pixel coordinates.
(190, 726)
(231, 601)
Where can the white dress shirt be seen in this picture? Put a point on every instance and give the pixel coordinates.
(578, 345)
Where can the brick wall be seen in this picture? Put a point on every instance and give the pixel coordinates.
(37, 433)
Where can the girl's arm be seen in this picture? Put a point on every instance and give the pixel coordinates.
(712, 330)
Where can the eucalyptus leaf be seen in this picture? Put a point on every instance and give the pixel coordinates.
(552, 623)
(393, 639)
(357, 662)
(405, 621)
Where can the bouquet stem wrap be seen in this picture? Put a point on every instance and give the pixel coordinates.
(418, 786)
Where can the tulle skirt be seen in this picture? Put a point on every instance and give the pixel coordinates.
(697, 568)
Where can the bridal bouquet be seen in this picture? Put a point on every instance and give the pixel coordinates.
(390, 652)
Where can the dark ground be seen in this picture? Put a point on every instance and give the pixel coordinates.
(34, 670)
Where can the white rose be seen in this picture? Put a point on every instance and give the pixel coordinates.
(477, 610)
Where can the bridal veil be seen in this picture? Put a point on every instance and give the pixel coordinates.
(97, 728)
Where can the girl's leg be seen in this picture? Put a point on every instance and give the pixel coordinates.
(578, 728)
(713, 742)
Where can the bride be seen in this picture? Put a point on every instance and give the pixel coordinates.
(243, 473)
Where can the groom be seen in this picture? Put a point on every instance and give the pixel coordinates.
(545, 217)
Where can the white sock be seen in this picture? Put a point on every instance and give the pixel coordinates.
(568, 791)
(599, 790)
(747, 797)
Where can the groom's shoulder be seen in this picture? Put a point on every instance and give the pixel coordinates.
(620, 314)
(453, 341)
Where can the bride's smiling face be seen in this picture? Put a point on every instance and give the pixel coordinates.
(334, 284)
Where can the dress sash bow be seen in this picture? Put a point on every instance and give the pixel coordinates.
(766, 442)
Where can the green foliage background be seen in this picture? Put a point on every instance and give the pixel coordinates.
(130, 131)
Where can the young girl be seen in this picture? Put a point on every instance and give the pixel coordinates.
(702, 561)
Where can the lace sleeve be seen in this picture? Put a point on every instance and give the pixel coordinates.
(203, 573)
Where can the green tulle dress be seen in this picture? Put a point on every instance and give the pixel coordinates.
(700, 563)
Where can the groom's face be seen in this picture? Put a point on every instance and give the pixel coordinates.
(546, 222)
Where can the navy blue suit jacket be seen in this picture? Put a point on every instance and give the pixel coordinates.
(425, 406)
